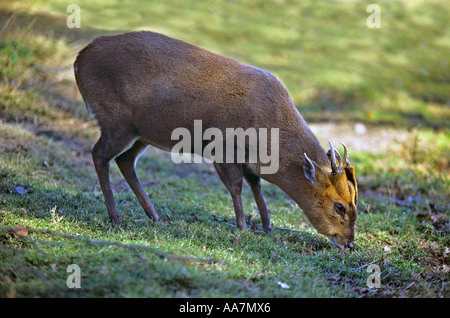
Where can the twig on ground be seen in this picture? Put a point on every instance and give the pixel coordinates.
(287, 229)
(365, 265)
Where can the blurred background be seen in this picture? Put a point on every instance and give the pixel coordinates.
(335, 67)
(377, 89)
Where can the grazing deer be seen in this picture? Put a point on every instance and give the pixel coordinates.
(141, 86)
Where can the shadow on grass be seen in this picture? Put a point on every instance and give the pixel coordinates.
(88, 211)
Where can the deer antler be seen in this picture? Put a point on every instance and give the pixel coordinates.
(334, 166)
(346, 159)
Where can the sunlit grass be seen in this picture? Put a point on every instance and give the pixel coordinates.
(369, 68)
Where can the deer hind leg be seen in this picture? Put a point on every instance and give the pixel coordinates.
(232, 175)
(107, 148)
(255, 185)
(126, 163)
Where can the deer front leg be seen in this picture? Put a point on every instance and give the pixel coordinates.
(255, 185)
(232, 175)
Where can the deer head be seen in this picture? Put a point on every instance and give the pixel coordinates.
(332, 209)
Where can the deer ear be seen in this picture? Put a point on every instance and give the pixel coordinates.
(308, 169)
(350, 173)
(314, 173)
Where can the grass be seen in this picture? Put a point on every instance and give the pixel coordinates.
(337, 71)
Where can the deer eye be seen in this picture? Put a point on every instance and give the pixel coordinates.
(339, 208)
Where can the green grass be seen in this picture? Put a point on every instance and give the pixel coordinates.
(336, 70)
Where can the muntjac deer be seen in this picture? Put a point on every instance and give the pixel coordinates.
(141, 86)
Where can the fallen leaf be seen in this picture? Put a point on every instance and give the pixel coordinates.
(283, 285)
(435, 245)
(20, 231)
(19, 191)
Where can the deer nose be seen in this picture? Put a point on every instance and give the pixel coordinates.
(349, 244)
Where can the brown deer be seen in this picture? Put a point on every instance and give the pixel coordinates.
(140, 86)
